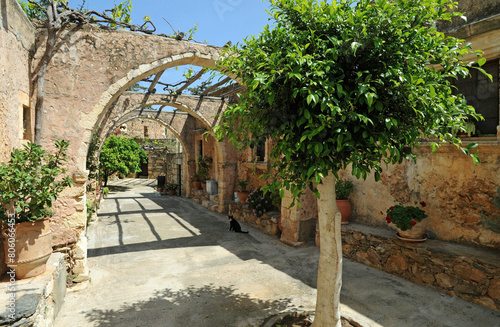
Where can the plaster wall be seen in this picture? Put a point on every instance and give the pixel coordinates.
(17, 37)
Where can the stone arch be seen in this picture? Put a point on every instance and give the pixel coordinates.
(135, 75)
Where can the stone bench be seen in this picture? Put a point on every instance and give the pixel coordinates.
(470, 273)
(37, 299)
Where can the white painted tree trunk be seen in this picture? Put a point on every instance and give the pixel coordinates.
(330, 259)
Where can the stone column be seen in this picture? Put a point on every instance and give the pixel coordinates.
(226, 182)
(298, 225)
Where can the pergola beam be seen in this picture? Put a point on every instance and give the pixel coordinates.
(213, 87)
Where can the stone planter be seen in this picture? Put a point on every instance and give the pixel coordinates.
(345, 209)
(32, 248)
(415, 234)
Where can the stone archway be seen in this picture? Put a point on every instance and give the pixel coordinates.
(89, 70)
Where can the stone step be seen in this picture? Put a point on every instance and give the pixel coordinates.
(38, 299)
(210, 205)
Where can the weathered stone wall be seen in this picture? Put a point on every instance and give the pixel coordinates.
(456, 191)
(268, 222)
(135, 129)
(474, 10)
(17, 37)
(467, 273)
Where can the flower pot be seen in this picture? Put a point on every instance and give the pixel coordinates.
(415, 234)
(345, 209)
(32, 248)
(243, 196)
(171, 192)
(204, 186)
(197, 185)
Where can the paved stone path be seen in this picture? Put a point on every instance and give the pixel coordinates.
(166, 261)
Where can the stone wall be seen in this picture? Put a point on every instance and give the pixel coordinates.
(141, 128)
(456, 191)
(465, 272)
(268, 222)
(17, 37)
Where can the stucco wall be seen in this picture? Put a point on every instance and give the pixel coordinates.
(16, 40)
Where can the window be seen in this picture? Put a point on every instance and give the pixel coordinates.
(483, 95)
(261, 151)
(200, 148)
(26, 118)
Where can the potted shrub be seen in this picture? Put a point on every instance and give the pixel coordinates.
(196, 181)
(29, 183)
(242, 191)
(409, 221)
(171, 188)
(204, 165)
(343, 188)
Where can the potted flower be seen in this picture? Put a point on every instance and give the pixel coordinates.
(343, 188)
(242, 191)
(408, 220)
(171, 188)
(29, 183)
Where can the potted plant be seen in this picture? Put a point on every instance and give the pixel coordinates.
(204, 165)
(344, 188)
(29, 183)
(242, 191)
(171, 188)
(409, 221)
(196, 180)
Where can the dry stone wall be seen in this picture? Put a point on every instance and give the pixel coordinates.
(464, 272)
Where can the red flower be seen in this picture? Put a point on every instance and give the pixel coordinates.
(388, 219)
(423, 204)
(391, 208)
(118, 131)
(413, 223)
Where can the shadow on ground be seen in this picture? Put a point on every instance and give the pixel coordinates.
(168, 308)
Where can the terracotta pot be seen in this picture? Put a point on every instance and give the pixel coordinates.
(243, 196)
(345, 209)
(204, 186)
(415, 234)
(32, 248)
(171, 192)
(160, 189)
(197, 185)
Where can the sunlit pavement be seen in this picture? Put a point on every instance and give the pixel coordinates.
(158, 260)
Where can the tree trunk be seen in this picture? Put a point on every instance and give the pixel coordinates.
(330, 259)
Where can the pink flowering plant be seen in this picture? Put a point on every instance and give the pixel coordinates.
(260, 203)
(405, 217)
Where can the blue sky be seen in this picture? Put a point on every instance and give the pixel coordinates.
(218, 21)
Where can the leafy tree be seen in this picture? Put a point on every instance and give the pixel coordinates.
(339, 83)
(120, 155)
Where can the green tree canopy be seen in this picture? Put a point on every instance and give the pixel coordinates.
(122, 155)
(346, 82)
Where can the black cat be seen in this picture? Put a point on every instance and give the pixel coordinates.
(234, 226)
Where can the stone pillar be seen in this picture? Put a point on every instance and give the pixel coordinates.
(298, 225)
(227, 180)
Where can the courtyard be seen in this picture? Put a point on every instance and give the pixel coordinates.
(158, 260)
